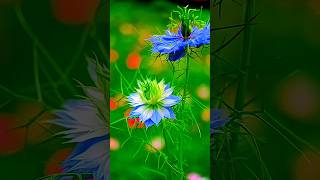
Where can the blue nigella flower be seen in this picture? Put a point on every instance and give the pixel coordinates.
(85, 127)
(217, 120)
(88, 127)
(153, 102)
(175, 44)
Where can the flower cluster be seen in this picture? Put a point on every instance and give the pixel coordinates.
(152, 102)
(176, 45)
(86, 120)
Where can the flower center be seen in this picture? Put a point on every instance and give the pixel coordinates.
(151, 92)
(186, 30)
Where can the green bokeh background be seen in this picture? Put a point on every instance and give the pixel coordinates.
(132, 160)
(286, 45)
(67, 43)
(284, 77)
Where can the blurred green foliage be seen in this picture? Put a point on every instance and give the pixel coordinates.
(131, 59)
(283, 79)
(41, 57)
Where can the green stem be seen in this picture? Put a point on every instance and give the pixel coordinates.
(173, 73)
(181, 156)
(244, 64)
(36, 72)
(78, 51)
(41, 47)
(166, 140)
(122, 76)
(186, 82)
(183, 106)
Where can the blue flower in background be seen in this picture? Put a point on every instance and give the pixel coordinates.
(85, 127)
(153, 102)
(175, 44)
(86, 124)
(217, 120)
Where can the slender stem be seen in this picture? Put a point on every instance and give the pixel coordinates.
(122, 76)
(36, 72)
(244, 64)
(41, 47)
(186, 82)
(181, 155)
(166, 141)
(183, 106)
(173, 73)
(78, 51)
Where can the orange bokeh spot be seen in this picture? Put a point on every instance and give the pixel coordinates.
(12, 139)
(113, 104)
(298, 97)
(205, 115)
(314, 5)
(307, 167)
(203, 92)
(133, 60)
(143, 35)
(114, 144)
(121, 99)
(74, 11)
(157, 144)
(207, 59)
(131, 122)
(53, 168)
(127, 113)
(135, 123)
(114, 56)
(141, 125)
(54, 165)
(61, 155)
(38, 130)
(127, 29)
(7, 2)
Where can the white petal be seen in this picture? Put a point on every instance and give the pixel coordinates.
(167, 92)
(139, 110)
(135, 99)
(171, 101)
(146, 114)
(81, 120)
(163, 112)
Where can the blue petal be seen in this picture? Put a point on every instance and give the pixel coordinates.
(217, 120)
(215, 114)
(169, 43)
(133, 111)
(149, 123)
(171, 101)
(146, 114)
(167, 86)
(171, 113)
(83, 146)
(71, 164)
(174, 56)
(199, 37)
(218, 123)
(156, 118)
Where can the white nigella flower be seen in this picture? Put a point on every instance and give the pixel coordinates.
(153, 102)
(86, 124)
